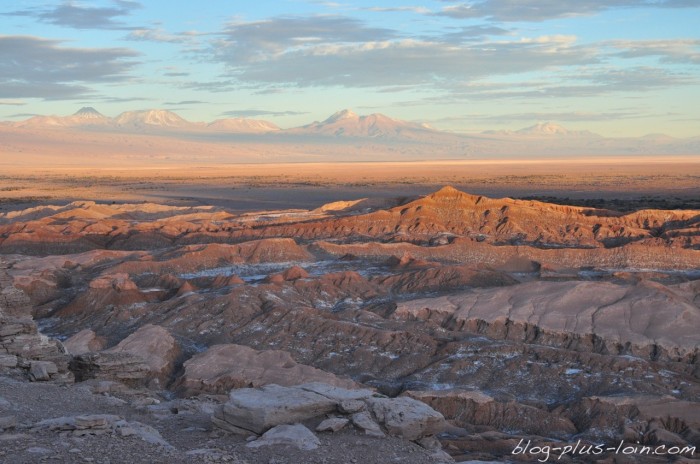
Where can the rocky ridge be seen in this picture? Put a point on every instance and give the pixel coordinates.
(514, 320)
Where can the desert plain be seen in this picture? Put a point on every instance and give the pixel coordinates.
(550, 301)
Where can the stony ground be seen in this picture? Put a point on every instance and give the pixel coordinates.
(184, 426)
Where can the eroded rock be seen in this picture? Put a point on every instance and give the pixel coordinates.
(223, 367)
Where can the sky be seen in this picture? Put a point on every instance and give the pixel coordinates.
(615, 67)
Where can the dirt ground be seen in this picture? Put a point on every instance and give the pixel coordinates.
(629, 183)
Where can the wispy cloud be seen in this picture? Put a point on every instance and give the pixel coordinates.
(567, 116)
(338, 51)
(257, 113)
(75, 15)
(156, 34)
(42, 68)
(12, 103)
(678, 51)
(187, 102)
(413, 9)
(263, 40)
(540, 10)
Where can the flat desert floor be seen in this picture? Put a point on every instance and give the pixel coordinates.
(617, 183)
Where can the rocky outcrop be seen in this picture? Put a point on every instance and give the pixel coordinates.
(224, 367)
(155, 346)
(21, 343)
(598, 317)
(124, 367)
(645, 419)
(85, 341)
(258, 410)
(446, 213)
(474, 408)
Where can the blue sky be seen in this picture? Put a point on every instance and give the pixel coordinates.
(615, 67)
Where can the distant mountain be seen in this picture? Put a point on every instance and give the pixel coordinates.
(85, 116)
(242, 125)
(345, 123)
(369, 135)
(147, 119)
(89, 113)
(544, 129)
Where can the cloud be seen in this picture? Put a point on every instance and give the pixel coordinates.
(75, 15)
(260, 40)
(572, 116)
(584, 82)
(186, 102)
(154, 35)
(22, 115)
(150, 34)
(33, 67)
(541, 10)
(472, 33)
(413, 9)
(679, 51)
(336, 51)
(257, 113)
(12, 103)
(124, 99)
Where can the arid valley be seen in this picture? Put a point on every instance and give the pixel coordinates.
(327, 232)
(450, 310)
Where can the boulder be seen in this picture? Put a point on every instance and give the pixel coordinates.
(85, 341)
(155, 346)
(406, 417)
(363, 421)
(332, 424)
(42, 370)
(223, 367)
(259, 409)
(292, 435)
(337, 394)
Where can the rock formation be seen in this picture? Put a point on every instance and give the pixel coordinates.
(223, 367)
(508, 319)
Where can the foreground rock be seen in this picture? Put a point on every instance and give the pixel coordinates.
(97, 424)
(21, 343)
(156, 346)
(224, 367)
(293, 435)
(258, 410)
(127, 368)
(85, 341)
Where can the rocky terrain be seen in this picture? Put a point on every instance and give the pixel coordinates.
(399, 330)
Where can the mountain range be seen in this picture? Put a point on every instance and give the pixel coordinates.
(344, 123)
(347, 136)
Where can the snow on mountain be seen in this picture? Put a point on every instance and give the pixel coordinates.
(369, 133)
(147, 119)
(349, 124)
(242, 125)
